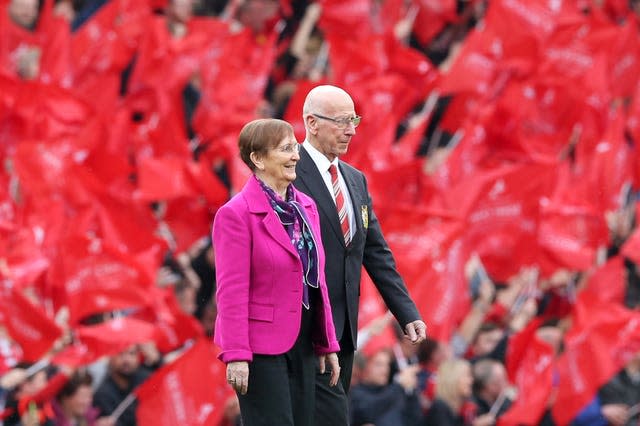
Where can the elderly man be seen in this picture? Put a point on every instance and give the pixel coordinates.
(351, 236)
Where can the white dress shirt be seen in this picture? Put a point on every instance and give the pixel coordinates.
(323, 163)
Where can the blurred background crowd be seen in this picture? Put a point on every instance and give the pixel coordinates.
(500, 141)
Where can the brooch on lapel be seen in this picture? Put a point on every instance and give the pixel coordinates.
(364, 211)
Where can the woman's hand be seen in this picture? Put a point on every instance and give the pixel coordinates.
(332, 359)
(238, 376)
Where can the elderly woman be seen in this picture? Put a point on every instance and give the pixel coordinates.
(274, 315)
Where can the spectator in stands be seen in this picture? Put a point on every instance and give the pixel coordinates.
(29, 403)
(24, 13)
(490, 387)
(451, 405)
(620, 397)
(257, 15)
(431, 354)
(72, 405)
(273, 305)
(125, 373)
(178, 14)
(377, 401)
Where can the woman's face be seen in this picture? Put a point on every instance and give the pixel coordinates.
(279, 163)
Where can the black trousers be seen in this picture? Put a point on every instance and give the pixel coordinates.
(282, 387)
(332, 402)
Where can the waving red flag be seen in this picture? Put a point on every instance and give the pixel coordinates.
(607, 283)
(97, 278)
(432, 17)
(27, 324)
(474, 69)
(25, 260)
(114, 336)
(350, 19)
(174, 327)
(163, 179)
(188, 219)
(603, 338)
(532, 373)
(174, 395)
(501, 207)
(441, 291)
(372, 308)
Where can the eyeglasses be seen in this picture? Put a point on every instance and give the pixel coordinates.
(343, 122)
(289, 148)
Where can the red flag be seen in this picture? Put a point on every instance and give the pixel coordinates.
(188, 219)
(24, 258)
(346, 19)
(372, 308)
(27, 324)
(441, 291)
(418, 238)
(97, 278)
(608, 164)
(75, 355)
(174, 395)
(163, 179)
(501, 207)
(532, 373)
(173, 326)
(607, 283)
(114, 336)
(293, 113)
(571, 236)
(474, 69)
(432, 17)
(602, 339)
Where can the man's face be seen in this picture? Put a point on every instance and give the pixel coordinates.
(499, 380)
(126, 363)
(332, 138)
(24, 12)
(377, 369)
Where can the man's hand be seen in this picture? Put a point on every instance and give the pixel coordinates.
(616, 414)
(332, 359)
(416, 331)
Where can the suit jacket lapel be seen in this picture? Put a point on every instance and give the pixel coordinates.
(310, 177)
(258, 204)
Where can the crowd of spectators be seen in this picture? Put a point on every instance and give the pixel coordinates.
(118, 122)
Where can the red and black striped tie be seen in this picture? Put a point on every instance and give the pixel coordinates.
(340, 204)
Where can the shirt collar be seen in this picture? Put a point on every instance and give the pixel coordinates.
(322, 162)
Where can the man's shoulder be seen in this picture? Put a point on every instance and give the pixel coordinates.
(348, 168)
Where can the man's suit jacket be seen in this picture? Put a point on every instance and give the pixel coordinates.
(368, 248)
(259, 280)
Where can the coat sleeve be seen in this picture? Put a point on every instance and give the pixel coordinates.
(324, 333)
(232, 250)
(381, 267)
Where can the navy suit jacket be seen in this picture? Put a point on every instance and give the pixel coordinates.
(368, 248)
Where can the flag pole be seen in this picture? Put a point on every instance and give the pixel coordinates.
(123, 406)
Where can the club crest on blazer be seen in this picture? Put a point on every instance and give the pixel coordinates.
(364, 211)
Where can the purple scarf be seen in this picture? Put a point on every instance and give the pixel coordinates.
(296, 223)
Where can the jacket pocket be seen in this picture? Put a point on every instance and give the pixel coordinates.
(260, 312)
